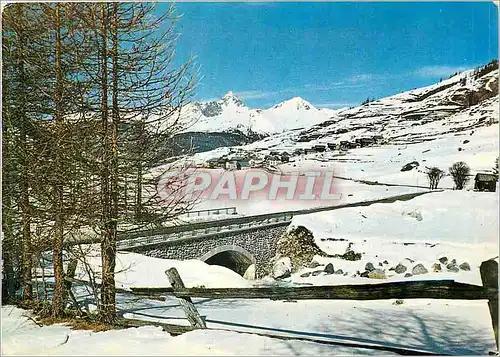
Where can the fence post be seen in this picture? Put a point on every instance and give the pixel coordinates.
(489, 277)
(187, 305)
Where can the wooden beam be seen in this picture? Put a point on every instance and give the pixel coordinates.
(187, 305)
(443, 289)
(489, 277)
(172, 329)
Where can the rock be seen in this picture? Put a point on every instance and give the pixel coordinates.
(314, 264)
(452, 268)
(410, 166)
(305, 275)
(377, 274)
(454, 261)
(351, 255)
(380, 264)
(282, 268)
(339, 272)
(299, 245)
(466, 141)
(250, 272)
(443, 260)
(398, 302)
(407, 275)
(329, 269)
(364, 274)
(410, 260)
(400, 268)
(448, 266)
(346, 273)
(464, 266)
(436, 267)
(459, 149)
(385, 262)
(419, 269)
(317, 272)
(369, 267)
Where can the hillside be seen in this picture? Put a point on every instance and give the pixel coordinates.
(450, 121)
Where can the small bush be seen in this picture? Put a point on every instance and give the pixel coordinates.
(434, 175)
(460, 172)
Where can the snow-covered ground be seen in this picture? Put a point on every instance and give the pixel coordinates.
(453, 224)
(437, 227)
(350, 192)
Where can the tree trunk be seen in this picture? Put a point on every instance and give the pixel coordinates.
(57, 246)
(27, 263)
(108, 242)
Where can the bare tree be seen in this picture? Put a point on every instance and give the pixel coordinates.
(460, 172)
(434, 175)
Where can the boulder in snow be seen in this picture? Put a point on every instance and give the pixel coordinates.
(339, 272)
(464, 266)
(282, 268)
(443, 260)
(419, 269)
(377, 274)
(369, 267)
(305, 275)
(329, 269)
(400, 268)
(314, 264)
(317, 272)
(436, 267)
(410, 166)
(407, 275)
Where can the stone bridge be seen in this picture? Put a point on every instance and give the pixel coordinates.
(236, 250)
(235, 243)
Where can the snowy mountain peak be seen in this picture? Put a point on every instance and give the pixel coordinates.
(231, 98)
(295, 103)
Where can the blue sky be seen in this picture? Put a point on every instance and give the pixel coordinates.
(331, 54)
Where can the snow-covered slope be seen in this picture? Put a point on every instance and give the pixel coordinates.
(437, 125)
(230, 114)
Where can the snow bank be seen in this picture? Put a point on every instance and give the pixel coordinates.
(451, 216)
(454, 224)
(138, 270)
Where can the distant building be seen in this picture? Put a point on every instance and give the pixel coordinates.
(237, 163)
(285, 157)
(273, 160)
(298, 152)
(485, 182)
(319, 148)
(215, 162)
(332, 146)
(231, 165)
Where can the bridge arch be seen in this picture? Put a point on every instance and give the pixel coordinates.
(230, 256)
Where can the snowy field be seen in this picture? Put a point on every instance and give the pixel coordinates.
(351, 192)
(466, 232)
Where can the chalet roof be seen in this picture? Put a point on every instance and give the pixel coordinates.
(485, 177)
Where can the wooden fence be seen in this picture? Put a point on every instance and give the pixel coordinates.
(430, 289)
